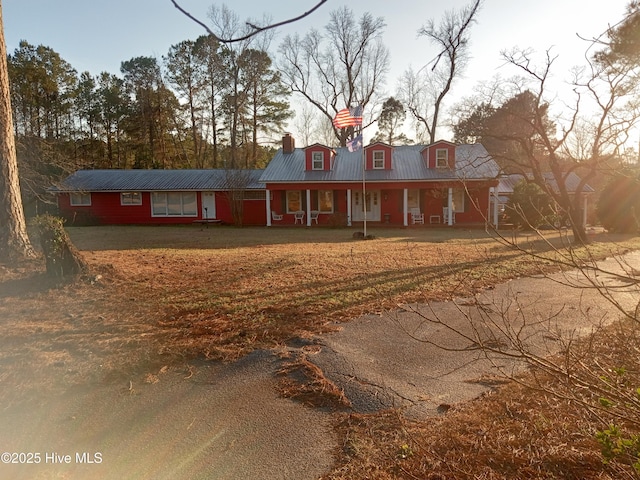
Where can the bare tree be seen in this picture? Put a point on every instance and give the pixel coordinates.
(607, 93)
(253, 29)
(14, 240)
(423, 92)
(345, 67)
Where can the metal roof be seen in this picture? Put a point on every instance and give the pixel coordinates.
(158, 180)
(472, 163)
(508, 182)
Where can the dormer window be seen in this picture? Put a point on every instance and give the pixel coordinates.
(378, 159)
(442, 158)
(317, 161)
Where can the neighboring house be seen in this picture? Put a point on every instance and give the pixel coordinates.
(162, 196)
(446, 183)
(572, 181)
(438, 184)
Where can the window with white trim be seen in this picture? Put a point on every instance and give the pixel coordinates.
(442, 158)
(317, 160)
(294, 201)
(458, 199)
(378, 159)
(413, 198)
(325, 201)
(80, 199)
(130, 198)
(174, 204)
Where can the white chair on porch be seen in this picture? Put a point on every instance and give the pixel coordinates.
(445, 216)
(313, 216)
(299, 216)
(417, 217)
(276, 216)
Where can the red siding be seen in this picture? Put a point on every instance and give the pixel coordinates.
(388, 152)
(432, 197)
(328, 157)
(106, 209)
(429, 153)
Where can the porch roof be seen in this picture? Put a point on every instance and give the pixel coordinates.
(472, 163)
(572, 181)
(159, 180)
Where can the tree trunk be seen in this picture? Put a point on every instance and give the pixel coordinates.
(14, 241)
(62, 258)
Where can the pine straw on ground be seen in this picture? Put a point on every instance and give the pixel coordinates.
(158, 297)
(521, 430)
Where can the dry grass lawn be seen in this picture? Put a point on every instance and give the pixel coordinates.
(163, 296)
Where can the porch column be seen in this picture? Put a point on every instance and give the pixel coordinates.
(308, 208)
(584, 210)
(268, 208)
(348, 207)
(405, 207)
(493, 202)
(450, 207)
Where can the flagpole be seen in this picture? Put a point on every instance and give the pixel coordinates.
(364, 187)
(352, 117)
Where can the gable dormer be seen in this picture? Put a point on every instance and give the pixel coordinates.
(440, 155)
(318, 158)
(378, 156)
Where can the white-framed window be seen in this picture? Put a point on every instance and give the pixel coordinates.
(294, 201)
(442, 158)
(459, 195)
(317, 160)
(413, 198)
(378, 159)
(80, 199)
(174, 204)
(325, 201)
(255, 195)
(130, 198)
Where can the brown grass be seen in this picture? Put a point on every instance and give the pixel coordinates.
(159, 297)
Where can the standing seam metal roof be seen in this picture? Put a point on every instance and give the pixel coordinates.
(472, 163)
(159, 180)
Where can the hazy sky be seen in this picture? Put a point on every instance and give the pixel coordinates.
(96, 35)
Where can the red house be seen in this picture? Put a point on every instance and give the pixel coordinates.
(438, 184)
(441, 183)
(162, 197)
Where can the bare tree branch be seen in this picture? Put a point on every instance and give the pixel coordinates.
(256, 29)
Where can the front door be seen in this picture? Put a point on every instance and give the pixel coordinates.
(208, 205)
(372, 204)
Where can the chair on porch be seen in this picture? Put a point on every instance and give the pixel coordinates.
(445, 216)
(276, 216)
(299, 215)
(417, 217)
(313, 216)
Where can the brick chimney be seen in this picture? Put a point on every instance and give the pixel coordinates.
(288, 143)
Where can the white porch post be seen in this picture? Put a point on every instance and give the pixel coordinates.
(348, 207)
(450, 207)
(584, 210)
(308, 208)
(268, 208)
(405, 207)
(493, 200)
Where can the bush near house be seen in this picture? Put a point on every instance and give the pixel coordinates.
(529, 207)
(619, 205)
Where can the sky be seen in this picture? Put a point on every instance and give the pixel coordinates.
(97, 35)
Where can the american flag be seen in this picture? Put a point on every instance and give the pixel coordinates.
(348, 117)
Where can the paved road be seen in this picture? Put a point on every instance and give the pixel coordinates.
(228, 422)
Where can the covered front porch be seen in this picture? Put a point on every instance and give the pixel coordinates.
(444, 204)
